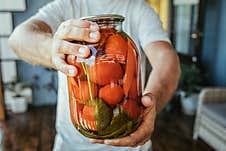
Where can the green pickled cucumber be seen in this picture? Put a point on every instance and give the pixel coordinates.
(103, 115)
(120, 125)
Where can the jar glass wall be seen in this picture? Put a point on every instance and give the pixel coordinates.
(105, 96)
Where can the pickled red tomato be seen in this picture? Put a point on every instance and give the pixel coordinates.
(131, 68)
(88, 117)
(132, 108)
(96, 115)
(83, 93)
(105, 72)
(75, 108)
(133, 92)
(105, 33)
(112, 94)
(116, 45)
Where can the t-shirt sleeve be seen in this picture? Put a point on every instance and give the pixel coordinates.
(53, 13)
(150, 27)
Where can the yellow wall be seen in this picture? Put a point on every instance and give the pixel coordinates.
(162, 8)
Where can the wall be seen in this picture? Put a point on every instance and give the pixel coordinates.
(162, 8)
(7, 56)
(44, 80)
(32, 8)
(214, 42)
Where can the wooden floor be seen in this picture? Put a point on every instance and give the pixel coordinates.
(173, 132)
(34, 131)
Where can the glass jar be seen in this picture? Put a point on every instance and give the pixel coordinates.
(105, 96)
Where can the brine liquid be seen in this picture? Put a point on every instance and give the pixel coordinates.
(105, 95)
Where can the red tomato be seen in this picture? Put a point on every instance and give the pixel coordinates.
(117, 46)
(82, 93)
(131, 68)
(111, 94)
(105, 72)
(131, 108)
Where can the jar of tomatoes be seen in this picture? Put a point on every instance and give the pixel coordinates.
(105, 96)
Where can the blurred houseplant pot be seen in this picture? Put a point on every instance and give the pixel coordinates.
(189, 87)
(19, 104)
(17, 96)
(189, 103)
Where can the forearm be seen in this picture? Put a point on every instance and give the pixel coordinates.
(32, 42)
(165, 73)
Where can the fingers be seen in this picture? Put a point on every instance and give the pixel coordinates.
(64, 47)
(99, 141)
(62, 66)
(132, 140)
(79, 30)
(144, 141)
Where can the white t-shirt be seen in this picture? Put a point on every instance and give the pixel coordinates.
(141, 24)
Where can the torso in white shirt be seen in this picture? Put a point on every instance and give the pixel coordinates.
(141, 24)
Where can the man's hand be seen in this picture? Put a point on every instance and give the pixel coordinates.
(143, 132)
(72, 30)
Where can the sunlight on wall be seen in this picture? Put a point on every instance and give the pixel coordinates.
(162, 8)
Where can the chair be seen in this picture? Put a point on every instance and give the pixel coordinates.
(210, 122)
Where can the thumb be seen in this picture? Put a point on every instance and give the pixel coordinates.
(148, 100)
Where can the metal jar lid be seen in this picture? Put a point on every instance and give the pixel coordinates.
(105, 18)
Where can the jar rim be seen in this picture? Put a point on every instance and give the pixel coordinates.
(104, 17)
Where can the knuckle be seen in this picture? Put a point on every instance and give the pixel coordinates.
(83, 23)
(85, 33)
(67, 32)
(63, 30)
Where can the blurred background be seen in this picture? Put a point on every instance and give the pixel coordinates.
(194, 120)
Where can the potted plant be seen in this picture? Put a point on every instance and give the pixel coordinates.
(189, 87)
(17, 96)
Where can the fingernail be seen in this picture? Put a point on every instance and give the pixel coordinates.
(146, 98)
(94, 27)
(93, 35)
(72, 57)
(82, 50)
(147, 102)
